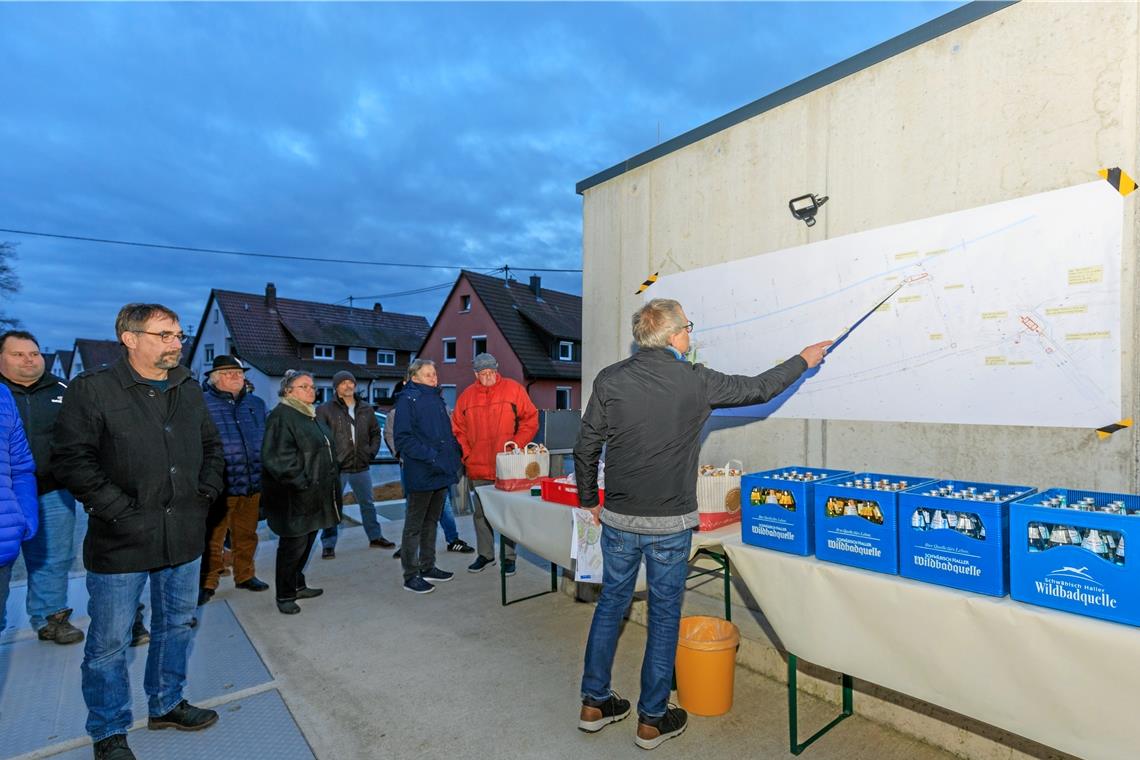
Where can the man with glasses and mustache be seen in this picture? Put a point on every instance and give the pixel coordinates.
(136, 446)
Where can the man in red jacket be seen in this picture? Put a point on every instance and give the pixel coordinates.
(492, 411)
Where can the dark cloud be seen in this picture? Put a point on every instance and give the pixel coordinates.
(449, 133)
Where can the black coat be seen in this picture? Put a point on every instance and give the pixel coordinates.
(354, 455)
(145, 464)
(648, 410)
(300, 482)
(39, 406)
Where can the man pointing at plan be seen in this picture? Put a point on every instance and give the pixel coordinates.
(649, 410)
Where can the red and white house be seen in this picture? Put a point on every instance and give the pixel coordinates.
(535, 334)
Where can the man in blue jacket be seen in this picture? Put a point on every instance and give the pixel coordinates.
(240, 417)
(48, 556)
(19, 509)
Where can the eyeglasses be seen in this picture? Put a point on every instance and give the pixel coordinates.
(166, 336)
(689, 327)
(304, 387)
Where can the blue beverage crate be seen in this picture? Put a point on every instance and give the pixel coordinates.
(853, 539)
(783, 527)
(942, 553)
(1073, 578)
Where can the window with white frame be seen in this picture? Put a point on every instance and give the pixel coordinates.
(449, 395)
(385, 357)
(478, 345)
(563, 398)
(322, 352)
(465, 303)
(357, 355)
(565, 351)
(449, 350)
(209, 352)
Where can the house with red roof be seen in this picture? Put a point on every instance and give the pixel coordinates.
(535, 333)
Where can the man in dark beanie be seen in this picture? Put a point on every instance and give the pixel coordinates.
(356, 436)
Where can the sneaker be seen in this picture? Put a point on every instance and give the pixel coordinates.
(205, 595)
(460, 546)
(113, 748)
(139, 634)
(288, 607)
(253, 584)
(328, 553)
(509, 568)
(381, 543)
(596, 714)
(651, 732)
(184, 717)
(435, 575)
(309, 593)
(418, 585)
(59, 630)
(479, 564)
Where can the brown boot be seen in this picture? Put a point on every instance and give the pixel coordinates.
(59, 630)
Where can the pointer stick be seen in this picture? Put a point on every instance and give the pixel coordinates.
(851, 329)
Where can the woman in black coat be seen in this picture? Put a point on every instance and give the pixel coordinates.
(300, 484)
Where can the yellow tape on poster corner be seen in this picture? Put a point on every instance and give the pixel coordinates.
(645, 285)
(1108, 430)
(1119, 180)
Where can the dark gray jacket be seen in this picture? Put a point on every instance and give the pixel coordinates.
(354, 452)
(649, 410)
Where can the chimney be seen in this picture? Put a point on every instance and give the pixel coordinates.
(271, 296)
(536, 285)
(377, 307)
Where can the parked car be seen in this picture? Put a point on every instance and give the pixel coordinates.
(384, 454)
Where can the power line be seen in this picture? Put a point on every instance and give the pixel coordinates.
(193, 249)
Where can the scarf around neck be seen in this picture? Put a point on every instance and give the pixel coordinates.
(299, 405)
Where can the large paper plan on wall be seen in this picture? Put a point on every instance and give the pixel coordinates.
(1009, 314)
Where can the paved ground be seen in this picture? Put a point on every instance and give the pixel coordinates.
(370, 670)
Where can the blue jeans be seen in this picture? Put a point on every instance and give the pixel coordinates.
(666, 567)
(361, 485)
(5, 580)
(112, 606)
(48, 556)
(447, 519)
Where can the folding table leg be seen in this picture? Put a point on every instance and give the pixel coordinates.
(793, 724)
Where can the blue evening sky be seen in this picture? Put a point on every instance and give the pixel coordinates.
(436, 133)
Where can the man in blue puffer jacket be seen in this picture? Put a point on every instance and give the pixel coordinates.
(240, 418)
(19, 506)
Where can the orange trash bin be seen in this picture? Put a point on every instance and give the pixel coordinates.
(706, 664)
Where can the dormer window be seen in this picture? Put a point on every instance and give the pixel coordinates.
(565, 351)
(323, 352)
(385, 358)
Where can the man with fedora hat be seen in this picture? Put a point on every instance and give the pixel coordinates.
(240, 418)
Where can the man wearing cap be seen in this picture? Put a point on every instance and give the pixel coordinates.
(240, 418)
(492, 411)
(356, 439)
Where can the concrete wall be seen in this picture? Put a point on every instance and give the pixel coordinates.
(1032, 98)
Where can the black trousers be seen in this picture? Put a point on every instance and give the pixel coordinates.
(421, 522)
(292, 555)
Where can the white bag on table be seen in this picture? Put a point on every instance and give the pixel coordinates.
(718, 494)
(518, 469)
